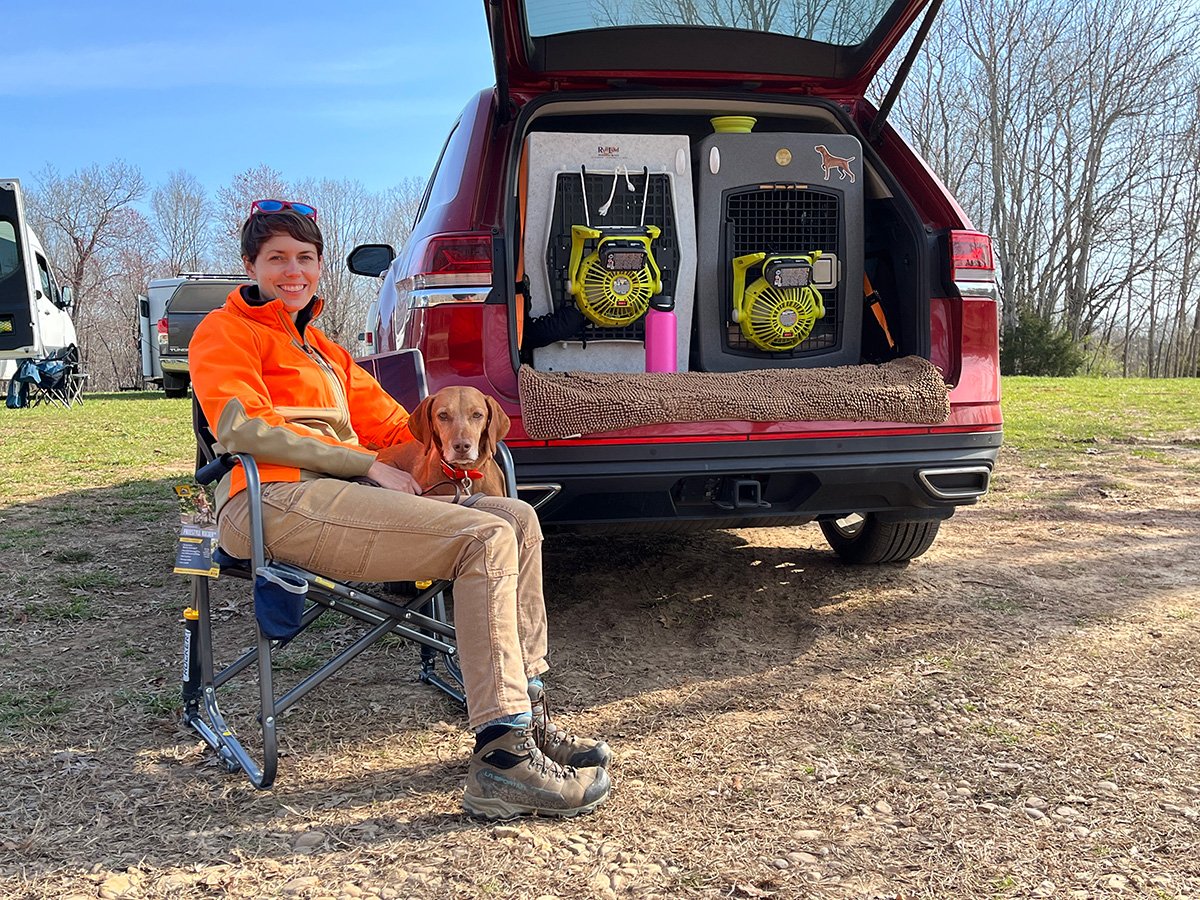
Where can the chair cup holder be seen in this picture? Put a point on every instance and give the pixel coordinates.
(279, 602)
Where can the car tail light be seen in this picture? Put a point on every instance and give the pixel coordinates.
(971, 257)
(449, 260)
(162, 334)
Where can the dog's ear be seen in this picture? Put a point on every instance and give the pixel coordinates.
(420, 421)
(497, 426)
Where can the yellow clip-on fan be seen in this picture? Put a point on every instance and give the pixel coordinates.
(777, 312)
(613, 286)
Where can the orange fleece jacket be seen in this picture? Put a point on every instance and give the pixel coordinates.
(290, 396)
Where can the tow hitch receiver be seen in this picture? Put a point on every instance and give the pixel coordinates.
(741, 493)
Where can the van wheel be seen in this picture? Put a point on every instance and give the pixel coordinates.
(175, 386)
(862, 539)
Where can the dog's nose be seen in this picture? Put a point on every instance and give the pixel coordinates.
(463, 448)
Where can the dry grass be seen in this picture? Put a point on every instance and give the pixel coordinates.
(1013, 715)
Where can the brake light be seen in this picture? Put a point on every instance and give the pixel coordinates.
(457, 254)
(971, 257)
(162, 325)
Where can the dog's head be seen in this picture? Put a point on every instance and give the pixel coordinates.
(463, 423)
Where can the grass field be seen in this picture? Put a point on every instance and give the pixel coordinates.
(1055, 419)
(109, 439)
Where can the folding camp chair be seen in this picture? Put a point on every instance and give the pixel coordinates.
(421, 617)
(55, 379)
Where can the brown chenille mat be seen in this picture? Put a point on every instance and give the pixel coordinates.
(563, 404)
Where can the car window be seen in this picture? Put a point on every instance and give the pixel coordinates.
(841, 22)
(10, 260)
(447, 175)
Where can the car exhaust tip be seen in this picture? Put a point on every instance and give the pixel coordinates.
(957, 483)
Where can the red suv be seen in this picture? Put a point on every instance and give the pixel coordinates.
(728, 179)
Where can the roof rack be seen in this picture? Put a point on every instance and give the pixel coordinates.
(240, 276)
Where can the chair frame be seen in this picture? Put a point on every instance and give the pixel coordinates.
(68, 391)
(421, 619)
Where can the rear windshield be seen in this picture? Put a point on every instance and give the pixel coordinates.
(199, 296)
(840, 22)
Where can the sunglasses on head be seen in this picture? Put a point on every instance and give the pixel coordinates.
(274, 206)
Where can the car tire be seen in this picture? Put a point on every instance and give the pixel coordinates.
(175, 386)
(862, 539)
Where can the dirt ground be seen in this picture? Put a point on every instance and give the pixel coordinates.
(1014, 714)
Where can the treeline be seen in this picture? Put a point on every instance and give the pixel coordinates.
(109, 233)
(1071, 133)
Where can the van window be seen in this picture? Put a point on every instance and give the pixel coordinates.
(10, 258)
(44, 277)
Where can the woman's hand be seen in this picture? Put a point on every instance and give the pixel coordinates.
(392, 478)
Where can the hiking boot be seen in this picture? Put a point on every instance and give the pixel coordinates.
(564, 748)
(509, 776)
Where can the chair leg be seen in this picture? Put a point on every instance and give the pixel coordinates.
(201, 711)
(423, 619)
(436, 609)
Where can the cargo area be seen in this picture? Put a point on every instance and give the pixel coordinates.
(653, 239)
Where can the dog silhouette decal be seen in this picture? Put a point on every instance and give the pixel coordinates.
(829, 162)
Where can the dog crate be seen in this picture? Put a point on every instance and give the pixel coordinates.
(567, 170)
(782, 195)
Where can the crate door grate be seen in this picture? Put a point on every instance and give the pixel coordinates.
(779, 221)
(626, 209)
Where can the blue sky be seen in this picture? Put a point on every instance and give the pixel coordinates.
(334, 89)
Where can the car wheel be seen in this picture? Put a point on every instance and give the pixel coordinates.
(862, 539)
(175, 386)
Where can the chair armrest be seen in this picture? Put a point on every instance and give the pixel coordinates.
(226, 462)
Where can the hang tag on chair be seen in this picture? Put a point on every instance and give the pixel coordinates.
(197, 532)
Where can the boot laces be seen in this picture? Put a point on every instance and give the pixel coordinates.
(541, 763)
(545, 732)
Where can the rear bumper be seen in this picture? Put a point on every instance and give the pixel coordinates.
(174, 366)
(757, 483)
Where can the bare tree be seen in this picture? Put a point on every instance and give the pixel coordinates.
(116, 358)
(86, 219)
(182, 219)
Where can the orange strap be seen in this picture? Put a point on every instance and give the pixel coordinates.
(872, 299)
(522, 197)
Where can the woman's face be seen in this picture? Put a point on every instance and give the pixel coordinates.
(286, 268)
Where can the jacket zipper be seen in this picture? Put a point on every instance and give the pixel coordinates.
(311, 352)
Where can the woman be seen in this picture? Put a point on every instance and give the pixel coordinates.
(273, 385)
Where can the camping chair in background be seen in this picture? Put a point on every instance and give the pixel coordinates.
(56, 379)
(288, 599)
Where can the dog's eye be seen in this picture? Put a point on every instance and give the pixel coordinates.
(477, 415)
(443, 415)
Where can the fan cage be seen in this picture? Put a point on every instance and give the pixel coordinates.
(782, 220)
(626, 210)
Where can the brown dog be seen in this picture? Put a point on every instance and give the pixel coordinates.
(456, 430)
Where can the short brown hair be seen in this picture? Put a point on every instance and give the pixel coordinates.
(259, 228)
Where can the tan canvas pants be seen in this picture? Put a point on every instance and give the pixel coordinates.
(492, 550)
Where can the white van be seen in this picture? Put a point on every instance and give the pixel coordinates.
(35, 318)
(152, 318)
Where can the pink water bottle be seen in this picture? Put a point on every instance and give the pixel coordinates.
(661, 334)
